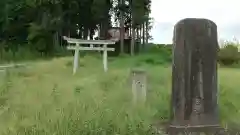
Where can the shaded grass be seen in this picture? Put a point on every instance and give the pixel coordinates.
(48, 99)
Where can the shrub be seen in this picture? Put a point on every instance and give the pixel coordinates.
(40, 39)
(229, 55)
(159, 54)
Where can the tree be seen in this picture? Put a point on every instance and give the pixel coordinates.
(41, 24)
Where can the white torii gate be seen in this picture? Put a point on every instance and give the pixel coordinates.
(77, 48)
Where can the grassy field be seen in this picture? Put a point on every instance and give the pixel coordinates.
(46, 99)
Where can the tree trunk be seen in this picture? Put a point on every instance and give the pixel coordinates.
(69, 28)
(122, 31)
(138, 36)
(91, 33)
(147, 32)
(102, 29)
(130, 31)
(2, 49)
(133, 41)
(130, 27)
(143, 36)
(56, 40)
(60, 35)
(85, 33)
(140, 33)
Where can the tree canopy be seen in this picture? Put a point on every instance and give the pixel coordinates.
(40, 24)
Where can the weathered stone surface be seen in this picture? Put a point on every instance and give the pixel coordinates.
(139, 85)
(194, 73)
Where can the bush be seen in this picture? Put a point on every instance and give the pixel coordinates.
(40, 39)
(159, 54)
(164, 50)
(229, 54)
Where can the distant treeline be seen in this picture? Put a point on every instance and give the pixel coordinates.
(39, 25)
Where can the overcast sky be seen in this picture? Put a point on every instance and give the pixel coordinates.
(225, 13)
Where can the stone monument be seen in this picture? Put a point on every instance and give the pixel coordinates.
(194, 104)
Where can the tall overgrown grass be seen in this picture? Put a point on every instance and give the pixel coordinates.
(46, 99)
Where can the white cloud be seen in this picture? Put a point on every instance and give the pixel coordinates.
(226, 14)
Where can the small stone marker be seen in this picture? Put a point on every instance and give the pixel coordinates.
(194, 105)
(139, 85)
